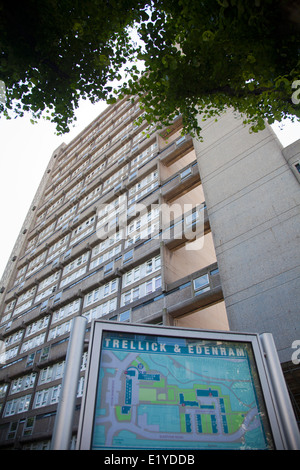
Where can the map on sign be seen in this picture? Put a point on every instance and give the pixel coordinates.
(174, 393)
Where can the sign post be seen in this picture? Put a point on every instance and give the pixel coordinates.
(166, 388)
(62, 432)
(281, 395)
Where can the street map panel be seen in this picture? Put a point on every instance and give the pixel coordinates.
(174, 393)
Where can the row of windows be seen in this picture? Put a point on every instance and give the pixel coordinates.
(120, 156)
(200, 285)
(143, 187)
(54, 252)
(45, 397)
(95, 137)
(36, 331)
(141, 290)
(106, 250)
(141, 271)
(106, 213)
(28, 381)
(116, 156)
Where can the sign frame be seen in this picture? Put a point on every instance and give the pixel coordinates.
(99, 328)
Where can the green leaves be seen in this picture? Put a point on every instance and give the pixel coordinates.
(190, 57)
(208, 36)
(53, 53)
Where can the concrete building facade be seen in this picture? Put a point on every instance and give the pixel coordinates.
(134, 225)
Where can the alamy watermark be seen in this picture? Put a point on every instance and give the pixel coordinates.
(296, 93)
(2, 92)
(296, 354)
(139, 223)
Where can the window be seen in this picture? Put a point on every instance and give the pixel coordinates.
(58, 247)
(132, 175)
(26, 295)
(140, 291)
(214, 271)
(128, 256)
(8, 354)
(45, 293)
(157, 283)
(127, 298)
(55, 394)
(47, 396)
(37, 326)
(135, 293)
(33, 342)
(13, 427)
(12, 339)
(66, 311)
(297, 166)
(102, 247)
(100, 292)
(101, 310)
(28, 426)
(59, 330)
(19, 405)
(72, 277)
(124, 316)
(10, 306)
(149, 266)
(53, 372)
(142, 270)
(80, 387)
(57, 297)
(84, 361)
(143, 187)
(3, 390)
(82, 230)
(143, 227)
(148, 287)
(185, 173)
(66, 216)
(180, 140)
(22, 383)
(45, 353)
(30, 360)
(201, 284)
(36, 263)
(75, 264)
(108, 268)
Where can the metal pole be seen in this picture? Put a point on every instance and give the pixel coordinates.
(62, 432)
(283, 404)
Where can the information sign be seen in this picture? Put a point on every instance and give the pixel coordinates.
(163, 388)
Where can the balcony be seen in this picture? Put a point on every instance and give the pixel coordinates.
(176, 150)
(186, 228)
(181, 183)
(196, 291)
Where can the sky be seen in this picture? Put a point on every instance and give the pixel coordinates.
(25, 150)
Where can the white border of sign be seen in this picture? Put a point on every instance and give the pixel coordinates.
(84, 440)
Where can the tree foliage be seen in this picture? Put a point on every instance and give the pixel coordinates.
(198, 56)
(52, 52)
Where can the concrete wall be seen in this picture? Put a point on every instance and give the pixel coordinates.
(292, 155)
(252, 198)
(213, 317)
(189, 258)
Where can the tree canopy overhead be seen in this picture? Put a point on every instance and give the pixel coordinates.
(198, 56)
